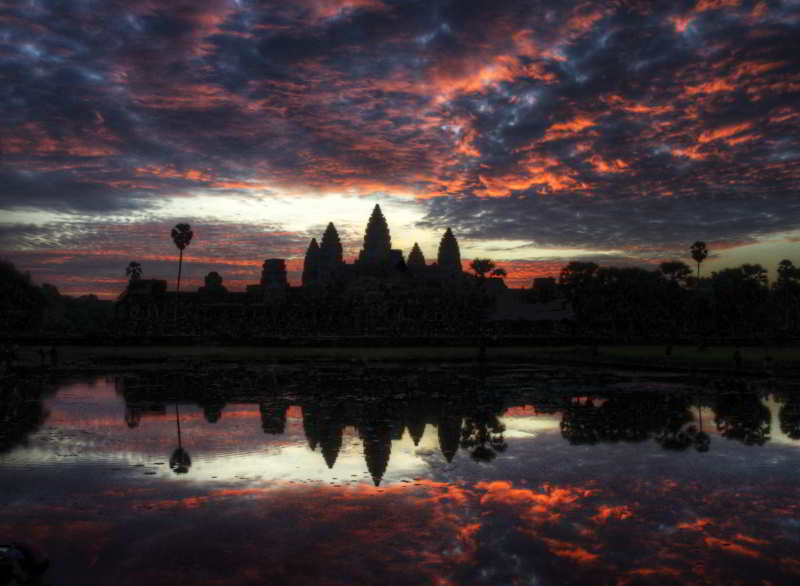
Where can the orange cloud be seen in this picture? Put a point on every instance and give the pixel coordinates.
(731, 547)
(705, 5)
(710, 87)
(546, 506)
(604, 513)
(692, 152)
(602, 166)
(33, 139)
(723, 132)
(570, 127)
(569, 550)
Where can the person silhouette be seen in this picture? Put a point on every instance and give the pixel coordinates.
(737, 358)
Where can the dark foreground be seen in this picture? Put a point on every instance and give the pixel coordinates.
(431, 474)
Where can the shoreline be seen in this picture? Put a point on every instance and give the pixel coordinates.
(685, 359)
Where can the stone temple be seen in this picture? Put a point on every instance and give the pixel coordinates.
(324, 264)
(381, 291)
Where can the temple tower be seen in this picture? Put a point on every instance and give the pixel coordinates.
(449, 257)
(311, 264)
(273, 274)
(416, 260)
(377, 241)
(330, 250)
(330, 254)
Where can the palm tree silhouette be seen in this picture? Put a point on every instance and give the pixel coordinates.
(179, 461)
(181, 236)
(699, 254)
(481, 266)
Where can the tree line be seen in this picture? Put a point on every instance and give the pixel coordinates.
(671, 302)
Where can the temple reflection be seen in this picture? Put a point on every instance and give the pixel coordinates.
(466, 412)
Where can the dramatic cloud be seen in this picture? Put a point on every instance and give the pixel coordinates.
(609, 126)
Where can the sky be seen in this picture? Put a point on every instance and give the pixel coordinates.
(540, 132)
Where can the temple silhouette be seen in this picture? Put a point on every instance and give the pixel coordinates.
(382, 292)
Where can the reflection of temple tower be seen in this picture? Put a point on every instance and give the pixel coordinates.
(376, 436)
(273, 415)
(324, 427)
(416, 429)
(415, 422)
(331, 441)
(449, 435)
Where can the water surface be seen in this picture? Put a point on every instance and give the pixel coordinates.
(382, 475)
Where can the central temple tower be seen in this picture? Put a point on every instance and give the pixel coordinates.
(377, 241)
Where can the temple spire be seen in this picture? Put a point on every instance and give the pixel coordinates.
(416, 260)
(331, 248)
(449, 257)
(311, 264)
(377, 241)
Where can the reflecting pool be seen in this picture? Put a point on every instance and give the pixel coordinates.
(381, 474)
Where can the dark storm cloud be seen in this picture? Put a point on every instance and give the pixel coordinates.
(613, 125)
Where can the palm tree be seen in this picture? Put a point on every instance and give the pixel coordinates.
(699, 254)
(133, 271)
(481, 266)
(181, 236)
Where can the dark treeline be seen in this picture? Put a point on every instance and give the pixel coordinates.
(670, 303)
(29, 308)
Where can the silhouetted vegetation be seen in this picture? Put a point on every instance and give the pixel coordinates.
(383, 294)
(22, 304)
(699, 253)
(181, 235)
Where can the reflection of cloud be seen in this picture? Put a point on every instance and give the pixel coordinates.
(615, 512)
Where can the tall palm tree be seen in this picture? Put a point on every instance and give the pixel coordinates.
(181, 236)
(699, 254)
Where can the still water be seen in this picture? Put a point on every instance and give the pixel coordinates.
(385, 475)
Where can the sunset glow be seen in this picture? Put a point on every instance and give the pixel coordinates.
(625, 131)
